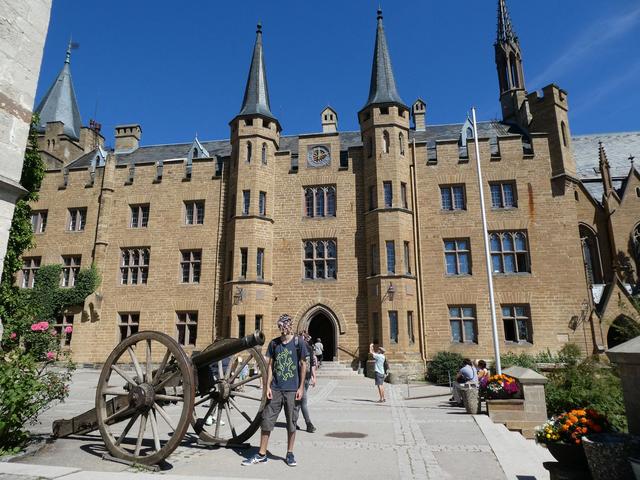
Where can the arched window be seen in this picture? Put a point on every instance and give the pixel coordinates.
(401, 142)
(249, 152)
(320, 202)
(514, 71)
(385, 141)
(308, 201)
(509, 252)
(590, 254)
(563, 129)
(264, 153)
(331, 202)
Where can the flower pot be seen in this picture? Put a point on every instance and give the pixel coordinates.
(471, 399)
(635, 466)
(607, 456)
(568, 454)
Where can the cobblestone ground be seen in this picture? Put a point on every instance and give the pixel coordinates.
(414, 435)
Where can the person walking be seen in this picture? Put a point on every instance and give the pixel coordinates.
(377, 353)
(286, 370)
(310, 379)
(318, 349)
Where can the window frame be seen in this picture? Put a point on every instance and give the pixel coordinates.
(463, 319)
(246, 202)
(192, 266)
(262, 203)
(60, 325)
(516, 254)
(30, 271)
(39, 221)
(315, 259)
(70, 270)
(410, 328)
(194, 209)
(457, 253)
(320, 201)
(387, 188)
(187, 321)
(513, 317)
(393, 327)
(139, 216)
(77, 220)
(501, 203)
(130, 270)
(260, 263)
(244, 262)
(390, 249)
(130, 321)
(452, 199)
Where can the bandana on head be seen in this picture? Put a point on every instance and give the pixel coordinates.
(285, 321)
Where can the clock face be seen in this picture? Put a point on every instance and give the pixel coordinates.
(318, 156)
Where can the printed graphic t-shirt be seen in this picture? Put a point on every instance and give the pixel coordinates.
(285, 364)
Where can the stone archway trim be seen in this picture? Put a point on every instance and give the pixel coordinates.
(319, 304)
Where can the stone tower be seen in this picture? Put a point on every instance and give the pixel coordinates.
(391, 275)
(255, 137)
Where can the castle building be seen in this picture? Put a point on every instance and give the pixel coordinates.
(362, 235)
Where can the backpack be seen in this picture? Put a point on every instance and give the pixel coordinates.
(386, 366)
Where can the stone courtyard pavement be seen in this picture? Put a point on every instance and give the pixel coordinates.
(414, 435)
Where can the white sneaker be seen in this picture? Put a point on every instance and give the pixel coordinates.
(210, 421)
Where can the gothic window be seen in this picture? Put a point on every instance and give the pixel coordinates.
(517, 324)
(591, 254)
(134, 266)
(407, 258)
(246, 201)
(513, 63)
(320, 259)
(410, 335)
(320, 201)
(262, 204)
(509, 252)
(244, 253)
(403, 195)
(462, 320)
(385, 142)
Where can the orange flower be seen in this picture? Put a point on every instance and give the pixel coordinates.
(583, 420)
(578, 441)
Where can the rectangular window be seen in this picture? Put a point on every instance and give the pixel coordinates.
(194, 212)
(457, 256)
(388, 194)
(246, 201)
(373, 198)
(30, 266)
(77, 219)
(403, 195)
(503, 194)
(407, 259)
(462, 319)
(39, 221)
(241, 326)
(453, 197)
(410, 335)
(375, 260)
(509, 252)
(262, 204)
(70, 270)
(190, 265)
(258, 324)
(391, 256)
(134, 266)
(517, 323)
(393, 326)
(320, 259)
(243, 262)
(129, 324)
(64, 329)
(260, 264)
(187, 327)
(139, 216)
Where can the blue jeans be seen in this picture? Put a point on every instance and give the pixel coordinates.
(302, 405)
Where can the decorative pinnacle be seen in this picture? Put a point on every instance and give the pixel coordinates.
(259, 27)
(68, 57)
(379, 12)
(631, 159)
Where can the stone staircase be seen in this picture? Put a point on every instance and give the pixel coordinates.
(336, 370)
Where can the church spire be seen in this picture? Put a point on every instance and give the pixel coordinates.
(256, 94)
(505, 29)
(59, 104)
(383, 84)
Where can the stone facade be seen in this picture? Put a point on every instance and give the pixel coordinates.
(359, 236)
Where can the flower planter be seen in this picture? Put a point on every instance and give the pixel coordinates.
(568, 455)
(607, 456)
(471, 399)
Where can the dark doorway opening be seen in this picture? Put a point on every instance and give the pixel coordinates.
(321, 326)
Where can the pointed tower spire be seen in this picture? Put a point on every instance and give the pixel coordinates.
(59, 104)
(256, 94)
(605, 170)
(505, 29)
(383, 84)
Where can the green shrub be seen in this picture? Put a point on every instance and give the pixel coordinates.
(570, 354)
(586, 385)
(511, 359)
(444, 365)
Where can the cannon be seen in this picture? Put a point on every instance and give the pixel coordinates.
(150, 392)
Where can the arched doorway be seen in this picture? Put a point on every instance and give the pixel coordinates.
(622, 329)
(322, 326)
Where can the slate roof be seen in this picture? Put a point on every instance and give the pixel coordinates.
(619, 146)
(59, 104)
(256, 94)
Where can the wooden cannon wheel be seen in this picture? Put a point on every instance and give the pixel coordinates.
(143, 412)
(234, 401)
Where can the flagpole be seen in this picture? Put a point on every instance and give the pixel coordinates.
(487, 252)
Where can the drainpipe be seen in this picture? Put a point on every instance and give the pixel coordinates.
(219, 240)
(416, 252)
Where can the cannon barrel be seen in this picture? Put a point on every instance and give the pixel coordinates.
(226, 348)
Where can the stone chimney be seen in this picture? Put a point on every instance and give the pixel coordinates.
(127, 138)
(329, 119)
(419, 109)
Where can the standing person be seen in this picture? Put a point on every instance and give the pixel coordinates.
(377, 353)
(286, 370)
(467, 375)
(318, 349)
(310, 379)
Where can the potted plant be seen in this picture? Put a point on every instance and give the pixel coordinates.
(563, 435)
(499, 387)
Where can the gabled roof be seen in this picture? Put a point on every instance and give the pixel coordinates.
(59, 104)
(383, 84)
(256, 94)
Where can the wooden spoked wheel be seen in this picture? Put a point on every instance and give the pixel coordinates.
(230, 411)
(144, 399)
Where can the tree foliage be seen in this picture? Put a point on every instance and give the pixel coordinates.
(444, 367)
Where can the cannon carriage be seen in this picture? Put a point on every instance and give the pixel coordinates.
(150, 392)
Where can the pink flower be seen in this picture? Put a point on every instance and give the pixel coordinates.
(68, 329)
(35, 327)
(13, 335)
(44, 326)
(53, 333)
(51, 356)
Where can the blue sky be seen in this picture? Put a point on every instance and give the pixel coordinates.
(178, 68)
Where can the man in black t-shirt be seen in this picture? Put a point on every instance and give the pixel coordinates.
(286, 371)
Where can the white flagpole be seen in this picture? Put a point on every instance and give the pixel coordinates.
(487, 252)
